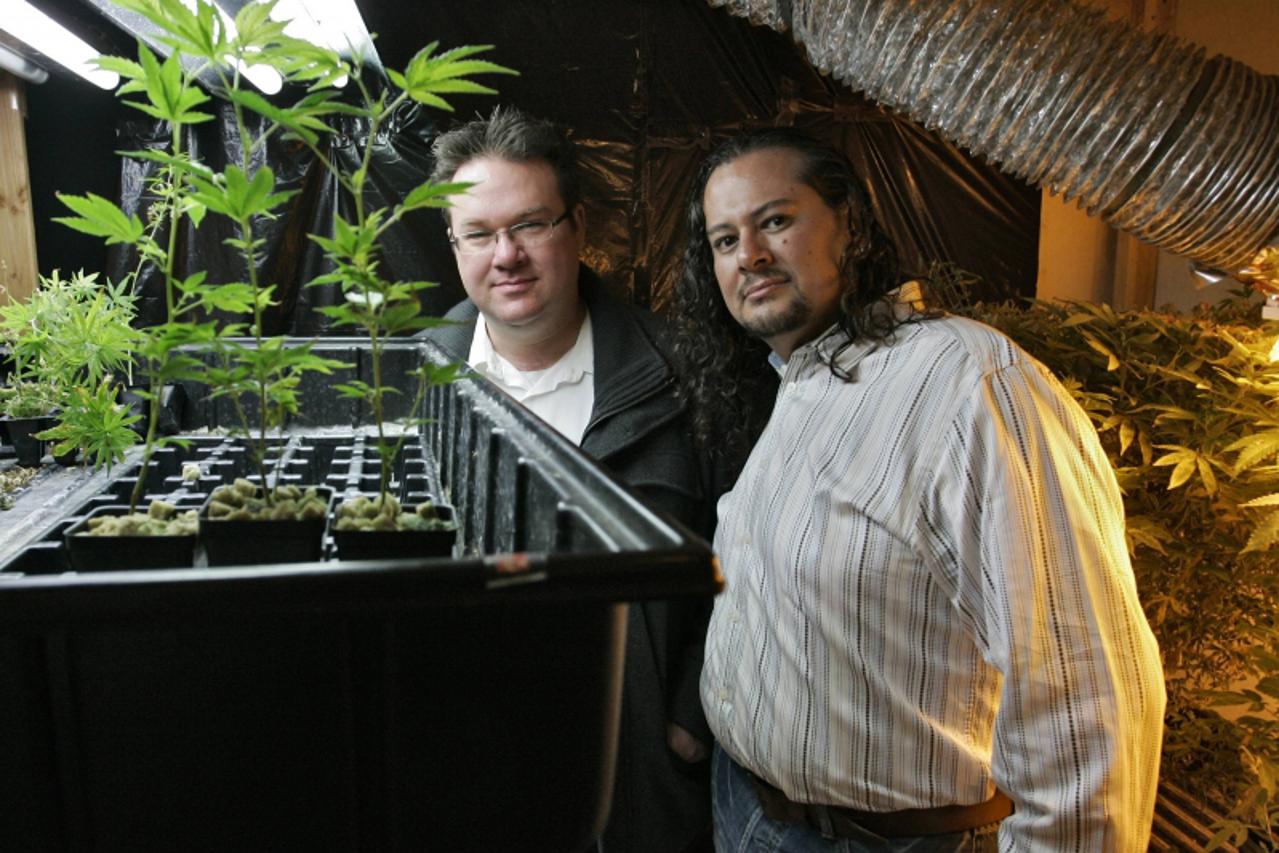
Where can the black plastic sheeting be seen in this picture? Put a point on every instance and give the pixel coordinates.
(414, 249)
(648, 88)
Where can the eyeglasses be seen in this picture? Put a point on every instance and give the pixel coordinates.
(533, 232)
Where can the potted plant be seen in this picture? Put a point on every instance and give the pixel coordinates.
(183, 189)
(28, 408)
(380, 307)
(71, 348)
(364, 525)
(108, 539)
(268, 369)
(168, 351)
(264, 370)
(94, 425)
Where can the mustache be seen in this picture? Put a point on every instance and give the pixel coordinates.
(753, 279)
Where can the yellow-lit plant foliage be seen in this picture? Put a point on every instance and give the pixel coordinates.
(1187, 407)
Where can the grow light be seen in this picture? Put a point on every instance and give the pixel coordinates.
(336, 24)
(302, 24)
(17, 64)
(266, 78)
(37, 30)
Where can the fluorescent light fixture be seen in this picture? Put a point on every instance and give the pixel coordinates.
(16, 64)
(331, 23)
(266, 78)
(299, 22)
(335, 24)
(36, 29)
(302, 25)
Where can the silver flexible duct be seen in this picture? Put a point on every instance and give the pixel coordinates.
(1144, 131)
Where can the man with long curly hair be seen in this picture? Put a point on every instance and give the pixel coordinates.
(930, 637)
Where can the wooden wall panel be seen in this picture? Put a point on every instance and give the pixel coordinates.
(17, 226)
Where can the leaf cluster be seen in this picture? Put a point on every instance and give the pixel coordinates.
(96, 424)
(27, 399)
(73, 346)
(70, 331)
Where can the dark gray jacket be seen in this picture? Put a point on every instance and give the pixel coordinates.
(640, 432)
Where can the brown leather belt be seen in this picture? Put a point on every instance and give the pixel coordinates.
(852, 823)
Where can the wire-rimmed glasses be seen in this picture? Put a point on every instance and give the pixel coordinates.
(531, 232)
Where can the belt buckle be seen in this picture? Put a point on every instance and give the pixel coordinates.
(833, 823)
(820, 818)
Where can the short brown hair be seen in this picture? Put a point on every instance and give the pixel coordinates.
(510, 134)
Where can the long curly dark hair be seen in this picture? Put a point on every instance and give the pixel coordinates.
(721, 364)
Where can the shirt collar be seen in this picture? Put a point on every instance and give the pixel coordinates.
(571, 367)
(908, 300)
(482, 354)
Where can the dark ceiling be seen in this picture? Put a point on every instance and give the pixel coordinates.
(648, 85)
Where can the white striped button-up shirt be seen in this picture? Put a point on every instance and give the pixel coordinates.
(928, 594)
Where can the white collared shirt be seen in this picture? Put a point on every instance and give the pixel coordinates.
(928, 593)
(562, 394)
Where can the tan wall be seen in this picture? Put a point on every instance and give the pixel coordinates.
(1082, 258)
(1076, 254)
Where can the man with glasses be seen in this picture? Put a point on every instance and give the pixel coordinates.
(545, 329)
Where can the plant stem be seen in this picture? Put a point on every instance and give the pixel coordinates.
(250, 258)
(155, 384)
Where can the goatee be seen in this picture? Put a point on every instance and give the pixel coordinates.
(794, 315)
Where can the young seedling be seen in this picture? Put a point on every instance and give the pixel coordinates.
(203, 42)
(380, 307)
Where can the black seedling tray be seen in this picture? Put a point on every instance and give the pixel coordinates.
(467, 702)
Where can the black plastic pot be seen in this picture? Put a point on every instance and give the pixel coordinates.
(116, 553)
(242, 543)
(29, 449)
(67, 459)
(394, 544)
(172, 407)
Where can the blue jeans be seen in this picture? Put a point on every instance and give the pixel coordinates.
(742, 827)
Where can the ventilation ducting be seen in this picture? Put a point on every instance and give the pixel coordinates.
(1141, 129)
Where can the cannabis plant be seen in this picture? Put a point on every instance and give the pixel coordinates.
(163, 349)
(265, 370)
(71, 345)
(200, 42)
(204, 43)
(95, 423)
(22, 400)
(70, 332)
(382, 308)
